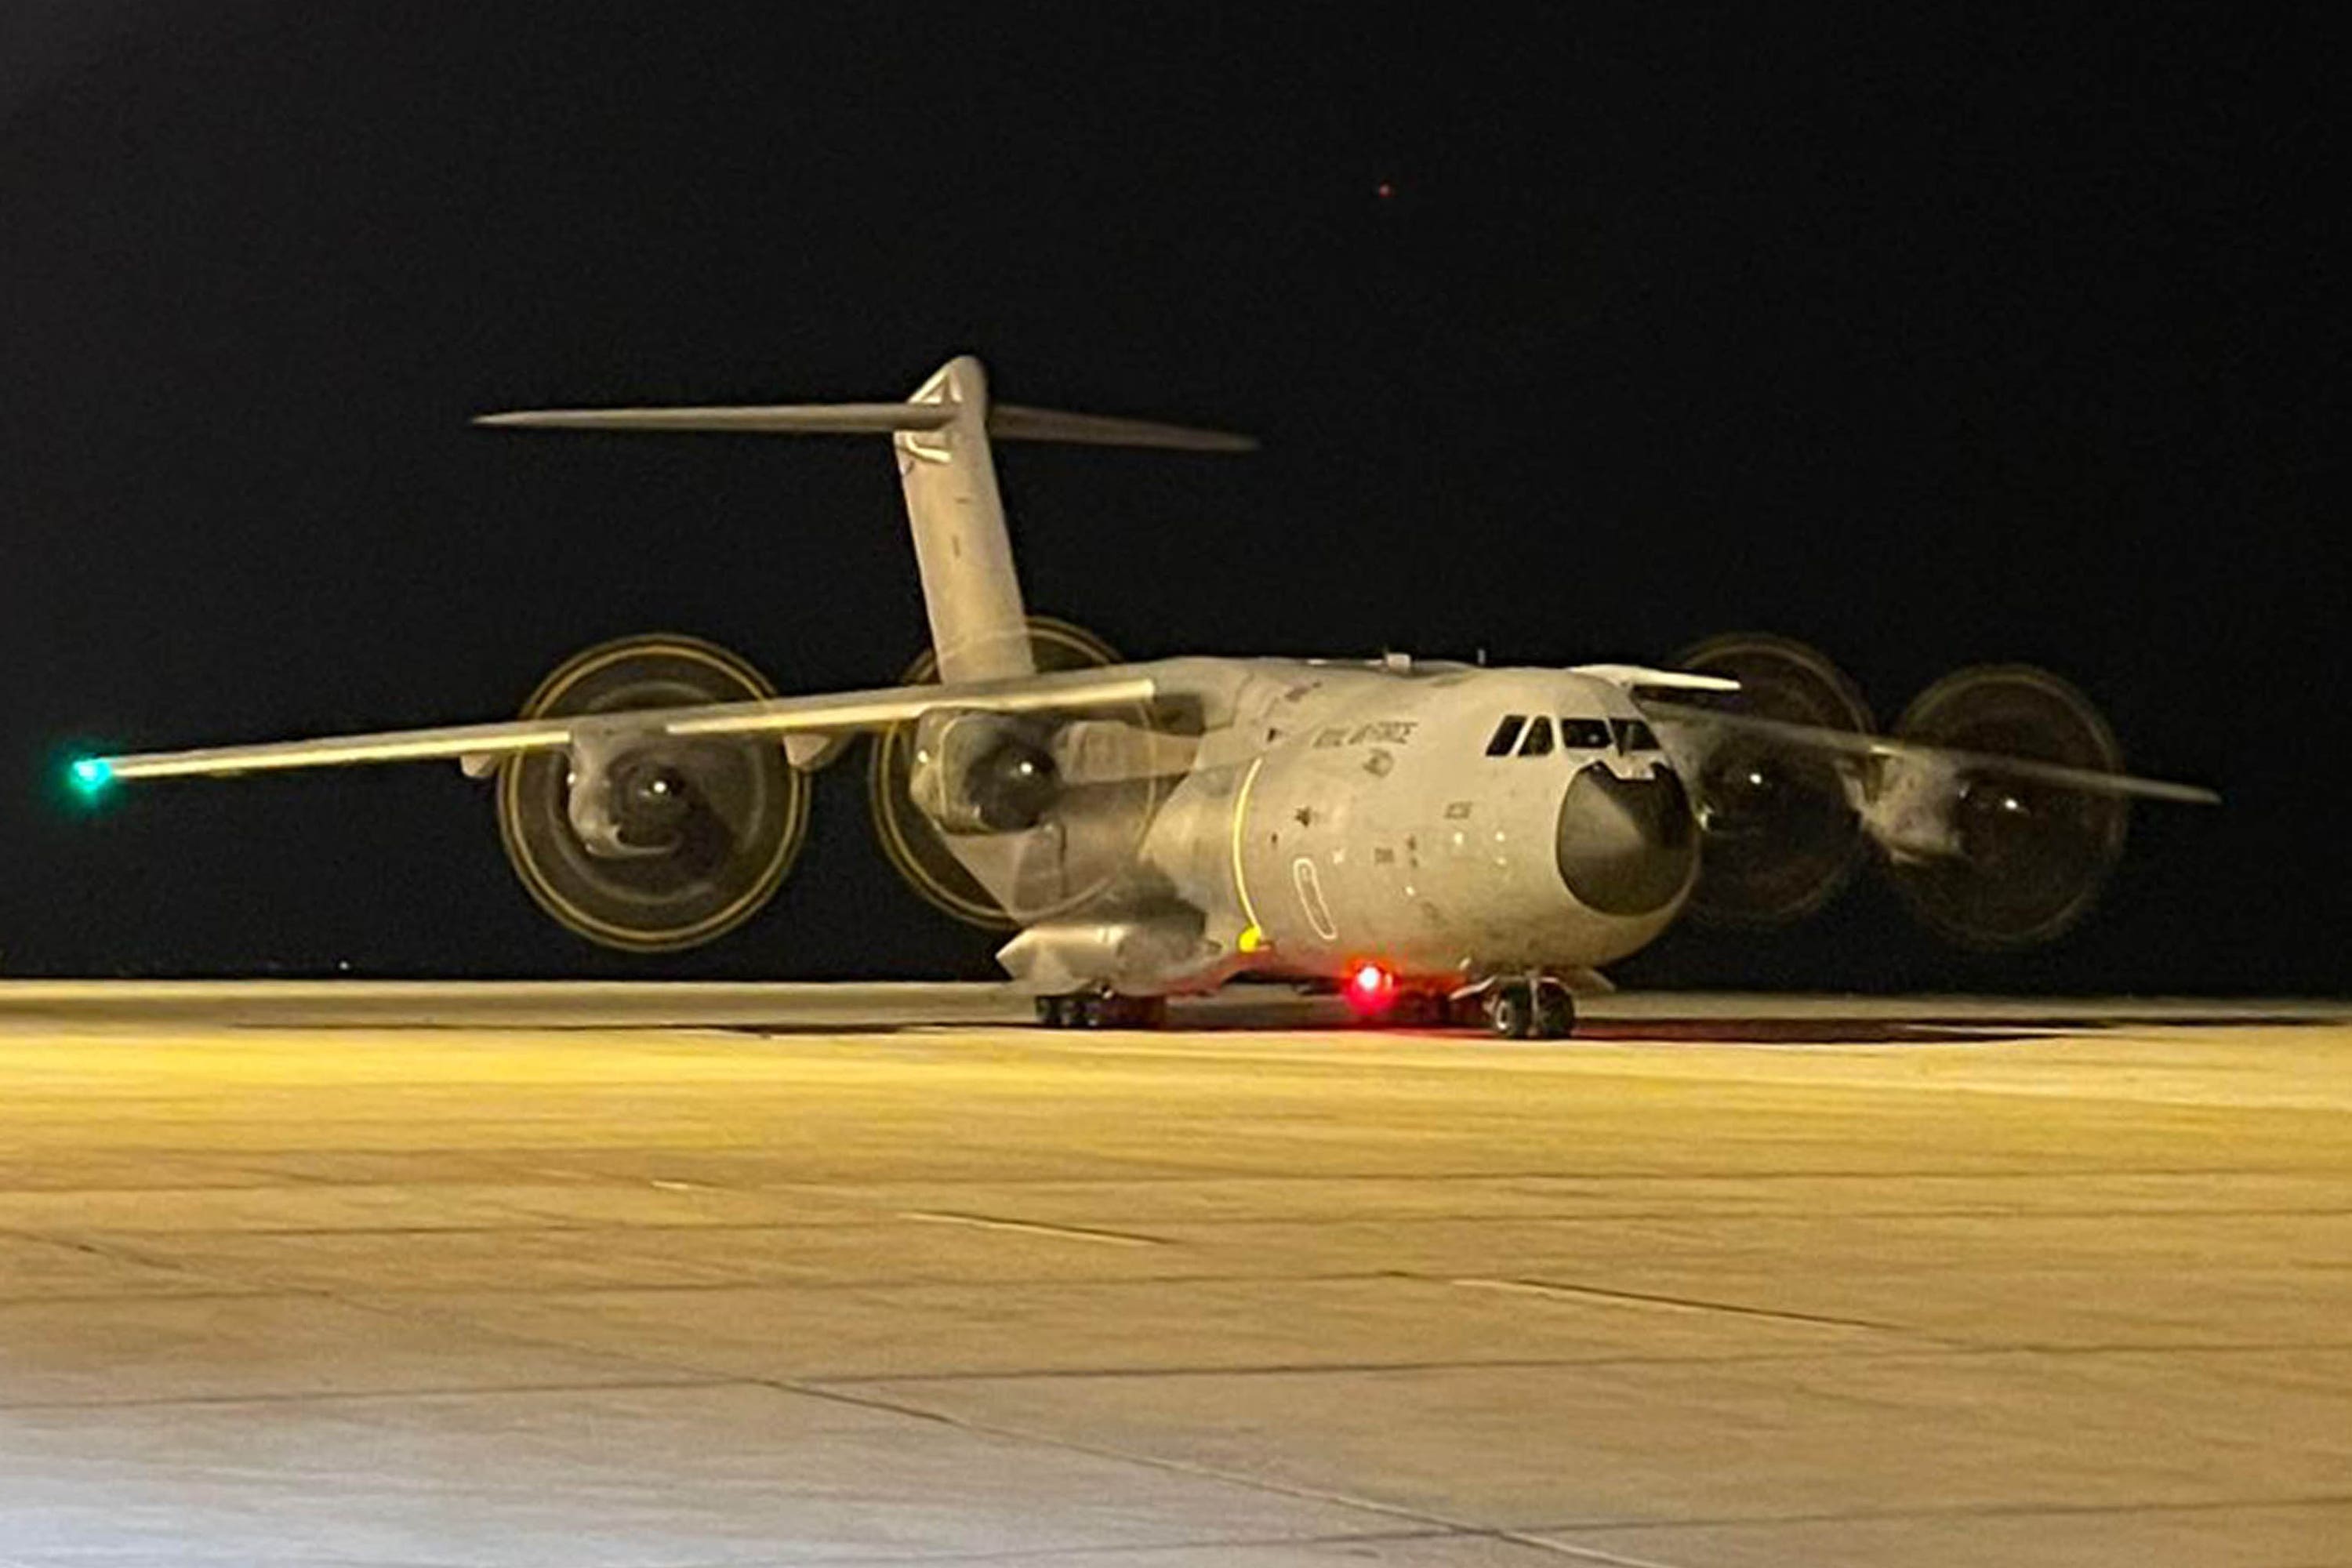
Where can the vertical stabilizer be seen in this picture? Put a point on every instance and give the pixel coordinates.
(978, 626)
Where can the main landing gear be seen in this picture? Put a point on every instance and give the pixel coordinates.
(1538, 1007)
(1101, 1010)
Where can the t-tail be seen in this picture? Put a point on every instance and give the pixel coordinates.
(942, 434)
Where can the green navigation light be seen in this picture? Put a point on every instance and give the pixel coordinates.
(91, 775)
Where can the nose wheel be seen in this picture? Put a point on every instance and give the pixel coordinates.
(1101, 1010)
(1538, 1008)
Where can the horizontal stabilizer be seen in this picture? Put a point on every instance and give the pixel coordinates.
(1007, 422)
(782, 418)
(1014, 421)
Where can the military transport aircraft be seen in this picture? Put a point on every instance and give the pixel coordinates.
(1438, 841)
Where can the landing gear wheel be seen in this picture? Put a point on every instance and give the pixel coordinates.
(1554, 1017)
(1510, 1012)
(1541, 1009)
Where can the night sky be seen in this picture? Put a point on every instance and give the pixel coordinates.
(1931, 344)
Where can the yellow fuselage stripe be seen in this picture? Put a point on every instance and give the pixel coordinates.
(1240, 813)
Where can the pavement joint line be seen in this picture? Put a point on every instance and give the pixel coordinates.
(2157, 1347)
(913, 1412)
(681, 1227)
(1128, 1548)
(1672, 1303)
(411, 1312)
(1185, 1467)
(1034, 1228)
(1822, 1217)
(1590, 1553)
(1958, 1511)
(1226, 1174)
(126, 1298)
(1927, 1348)
(929, 1282)
(328, 1396)
(1930, 1350)
(115, 1253)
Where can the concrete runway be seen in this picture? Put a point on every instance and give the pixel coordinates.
(1822, 1283)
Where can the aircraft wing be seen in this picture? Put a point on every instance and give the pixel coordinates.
(1847, 743)
(816, 717)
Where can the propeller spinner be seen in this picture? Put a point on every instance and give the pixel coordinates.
(2026, 858)
(651, 843)
(1782, 837)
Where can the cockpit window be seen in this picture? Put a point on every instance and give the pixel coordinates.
(1635, 735)
(1539, 741)
(1585, 734)
(1506, 735)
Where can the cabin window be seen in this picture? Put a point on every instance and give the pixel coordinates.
(1539, 741)
(1506, 735)
(1585, 734)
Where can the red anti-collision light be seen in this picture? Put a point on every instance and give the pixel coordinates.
(1370, 988)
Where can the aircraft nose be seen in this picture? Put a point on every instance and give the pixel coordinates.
(1626, 846)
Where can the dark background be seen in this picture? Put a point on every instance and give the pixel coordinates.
(1930, 342)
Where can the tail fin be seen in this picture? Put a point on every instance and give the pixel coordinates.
(942, 434)
(978, 629)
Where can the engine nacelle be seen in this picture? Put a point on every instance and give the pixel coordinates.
(1990, 858)
(966, 775)
(638, 840)
(983, 773)
(1911, 810)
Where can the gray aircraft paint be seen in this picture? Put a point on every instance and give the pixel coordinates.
(1212, 816)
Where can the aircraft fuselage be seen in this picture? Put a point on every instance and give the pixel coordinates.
(1442, 821)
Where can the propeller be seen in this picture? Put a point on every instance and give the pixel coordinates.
(644, 842)
(1781, 835)
(2024, 857)
(1050, 812)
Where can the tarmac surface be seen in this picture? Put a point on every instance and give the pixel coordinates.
(1729, 1282)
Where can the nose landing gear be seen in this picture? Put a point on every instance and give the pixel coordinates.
(1538, 1007)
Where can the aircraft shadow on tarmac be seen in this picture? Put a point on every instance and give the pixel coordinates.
(1615, 1031)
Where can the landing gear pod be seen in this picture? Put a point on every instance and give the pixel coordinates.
(1008, 785)
(1781, 834)
(2014, 861)
(645, 842)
